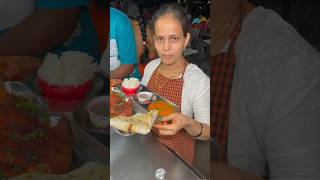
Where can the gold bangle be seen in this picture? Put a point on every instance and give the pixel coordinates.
(202, 127)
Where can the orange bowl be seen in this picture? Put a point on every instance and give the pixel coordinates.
(66, 92)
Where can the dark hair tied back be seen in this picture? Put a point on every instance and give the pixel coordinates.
(177, 11)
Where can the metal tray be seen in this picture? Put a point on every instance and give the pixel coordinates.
(143, 107)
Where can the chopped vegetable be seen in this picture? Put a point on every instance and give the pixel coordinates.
(29, 106)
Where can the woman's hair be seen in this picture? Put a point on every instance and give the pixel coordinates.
(177, 11)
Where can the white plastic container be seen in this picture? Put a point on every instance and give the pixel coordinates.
(97, 108)
(145, 97)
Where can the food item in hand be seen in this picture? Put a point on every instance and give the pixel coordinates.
(164, 108)
(138, 123)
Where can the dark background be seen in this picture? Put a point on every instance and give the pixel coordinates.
(304, 15)
(194, 7)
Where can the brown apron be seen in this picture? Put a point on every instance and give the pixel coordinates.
(222, 70)
(182, 143)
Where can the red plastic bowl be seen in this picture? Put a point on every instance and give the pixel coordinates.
(130, 91)
(64, 92)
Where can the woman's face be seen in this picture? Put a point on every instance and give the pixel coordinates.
(169, 39)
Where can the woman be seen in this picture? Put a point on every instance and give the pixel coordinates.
(269, 124)
(175, 79)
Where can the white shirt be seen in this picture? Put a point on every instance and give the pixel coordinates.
(13, 11)
(275, 101)
(104, 64)
(114, 61)
(195, 100)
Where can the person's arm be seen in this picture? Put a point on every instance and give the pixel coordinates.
(150, 43)
(197, 126)
(122, 71)
(127, 49)
(39, 32)
(138, 38)
(180, 121)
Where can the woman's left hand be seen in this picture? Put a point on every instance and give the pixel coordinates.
(178, 120)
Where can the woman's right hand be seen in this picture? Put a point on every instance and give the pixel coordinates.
(179, 121)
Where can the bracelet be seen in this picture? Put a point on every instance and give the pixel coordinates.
(200, 131)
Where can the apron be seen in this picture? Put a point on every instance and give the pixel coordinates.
(182, 143)
(222, 71)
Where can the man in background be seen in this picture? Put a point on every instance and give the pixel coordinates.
(30, 29)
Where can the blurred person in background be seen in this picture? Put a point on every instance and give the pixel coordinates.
(123, 53)
(265, 94)
(143, 37)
